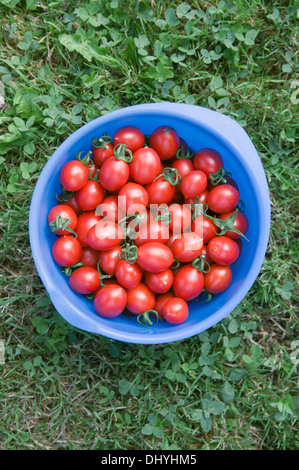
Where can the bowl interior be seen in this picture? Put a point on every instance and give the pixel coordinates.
(79, 311)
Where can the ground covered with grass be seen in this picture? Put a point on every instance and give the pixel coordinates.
(235, 386)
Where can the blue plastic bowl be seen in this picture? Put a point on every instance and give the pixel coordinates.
(201, 128)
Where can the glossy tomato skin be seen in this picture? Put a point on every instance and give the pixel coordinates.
(89, 257)
(208, 160)
(129, 275)
(85, 221)
(188, 282)
(131, 197)
(110, 301)
(241, 224)
(101, 154)
(202, 197)
(160, 191)
(183, 166)
(181, 218)
(71, 202)
(65, 212)
(74, 175)
(223, 198)
(223, 250)
(194, 183)
(154, 257)
(90, 196)
(66, 251)
(188, 247)
(176, 311)
(159, 282)
(153, 231)
(84, 280)
(161, 300)
(145, 166)
(109, 259)
(114, 174)
(204, 227)
(140, 299)
(109, 209)
(131, 136)
(165, 141)
(218, 279)
(104, 235)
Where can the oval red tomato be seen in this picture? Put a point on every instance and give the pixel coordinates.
(110, 301)
(129, 275)
(204, 227)
(84, 280)
(109, 259)
(159, 282)
(161, 301)
(114, 174)
(89, 257)
(208, 160)
(160, 191)
(181, 218)
(223, 198)
(176, 311)
(66, 251)
(132, 198)
(165, 141)
(145, 165)
(85, 221)
(187, 247)
(194, 183)
(74, 175)
(90, 196)
(130, 136)
(188, 282)
(140, 299)
(154, 257)
(66, 213)
(218, 279)
(104, 235)
(223, 250)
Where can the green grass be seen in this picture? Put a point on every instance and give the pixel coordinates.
(231, 387)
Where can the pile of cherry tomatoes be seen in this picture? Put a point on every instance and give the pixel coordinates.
(144, 224)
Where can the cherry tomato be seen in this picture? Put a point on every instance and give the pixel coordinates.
(240, 223)
(218, 279)
(223, 250)
(145, 166)
(114, 174)
(89, 257)
(140, 299)
(109, 259)
(204, 227)
(176, 311)
(71, 202)
(153, 231)
(85, 221)
(84, 280)
(204, 253)
(102, 153)
(90, 196)
(66, 213)
(202, 198)
(194, 183)
(74, 175)
(66, 251)
(165, 141)
(208, 161)
(160, 191)
(110, 301)
(131, 136)
(129, 275)
(188, 282)
(93, 168)
(181, 218)
(223, 198)
(187, 247)
(132, 198)
(161, 301)
(154, 257)
(159, 282)
(109, 209)
(104, 235)
(184, 166)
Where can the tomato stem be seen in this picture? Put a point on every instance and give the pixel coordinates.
(64, 195)
(102, 142)
(121, 152)
(200, 263)
(171, 175)
(144, 318)
(227, 225)
(61, 224)
(219, 176)
(129, 253)
(101, 275)
(181, 153)
(199, 209)
(86, 160)
(69, 269)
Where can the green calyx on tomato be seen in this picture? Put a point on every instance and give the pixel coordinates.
(121, 152)
(101, 275)
(227, 224)
(165, 216)
(61, 224)
(144, 318)
(86, 160)
(219, 176)
(102, 142)
(199, 209)
(64, 195)
(183, 153)
(171, 175)
(69, 269)
(201, 264)
(129, 253)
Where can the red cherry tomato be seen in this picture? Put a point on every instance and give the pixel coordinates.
(160, 191)
(85, 221)
(71, 202)
(208, 161)
(181, 218)
(184, 166)
(187, 247)
(176, 311)
(223, 250)
(131, 136)
(84, 280)
(223, 198)
(154, 257)
(114, 174)
(109, 259)
(74, 175)
(159, 282)
(145, 166)
(140, 299)
(104, 235)
(153, 231)
(129, 275)
(161, 301)
(66, 251)
(202, 198)
(66, 213)
(101, 154)
(89, 257)
(90, 196)
(218, 279)
(132, 197)
(240, 223)
(110, 301)
(204, 227)
(204, 253)
(109, 209)
(194, 183)
(165, 141)
(188, 282)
